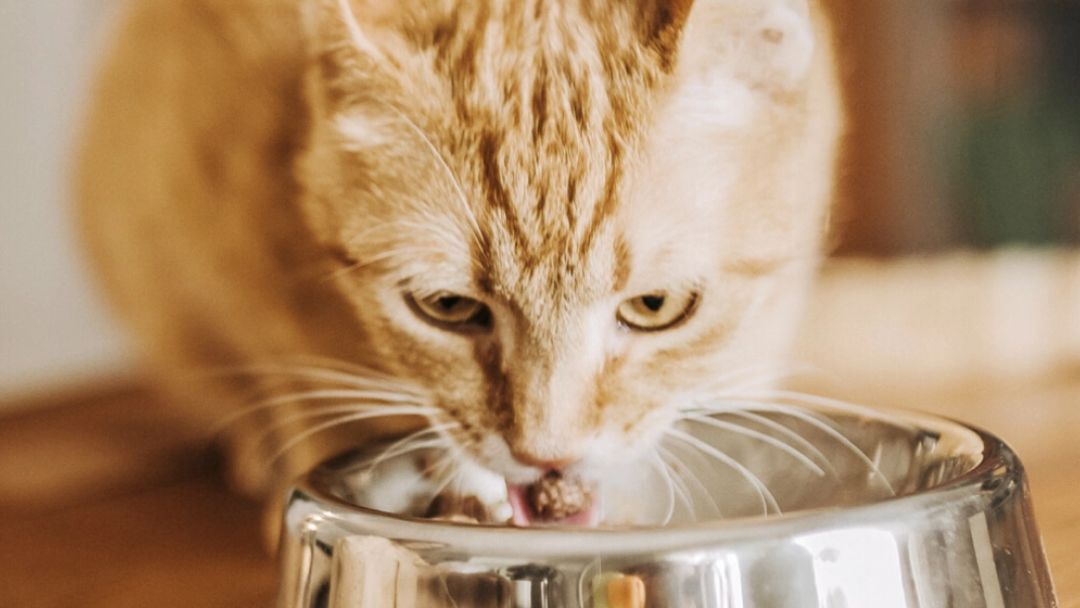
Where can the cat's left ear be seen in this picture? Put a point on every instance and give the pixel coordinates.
(342, 48)
(333, 25)
(767, 45)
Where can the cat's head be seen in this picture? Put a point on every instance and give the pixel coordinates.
(564, 220)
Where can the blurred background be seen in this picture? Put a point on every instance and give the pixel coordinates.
(960, 186)
(53, 331)
(965, 125)
(964, 132)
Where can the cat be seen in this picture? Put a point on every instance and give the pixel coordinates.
(540, 226)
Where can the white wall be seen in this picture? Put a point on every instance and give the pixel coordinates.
(53, 329)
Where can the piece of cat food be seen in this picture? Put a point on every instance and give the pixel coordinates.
(626, 592)
(616, 590)
(555, 497)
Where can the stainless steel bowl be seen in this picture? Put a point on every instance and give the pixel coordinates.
(959, 532)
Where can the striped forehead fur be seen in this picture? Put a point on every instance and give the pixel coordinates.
(549, 103)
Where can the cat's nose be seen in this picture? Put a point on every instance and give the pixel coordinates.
(544, 463)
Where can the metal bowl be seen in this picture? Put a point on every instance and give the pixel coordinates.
(954, 530)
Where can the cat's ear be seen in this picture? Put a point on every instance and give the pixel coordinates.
(768, 45)
(331, 24)
(663, 22)
(339, 46)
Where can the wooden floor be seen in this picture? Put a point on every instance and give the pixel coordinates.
(104, 501)
(107, 502)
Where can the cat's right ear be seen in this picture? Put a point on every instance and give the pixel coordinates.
(767, 45)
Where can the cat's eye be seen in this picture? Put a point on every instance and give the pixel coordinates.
(657, 311)
(452, 311)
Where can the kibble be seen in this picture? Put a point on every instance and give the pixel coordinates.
(555, 497)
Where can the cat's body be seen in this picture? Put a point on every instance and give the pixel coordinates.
(481, 200)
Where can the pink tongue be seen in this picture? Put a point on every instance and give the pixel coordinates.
(525, 518)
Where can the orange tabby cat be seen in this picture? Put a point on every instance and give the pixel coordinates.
(541, 225)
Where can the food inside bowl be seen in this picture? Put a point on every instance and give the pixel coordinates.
(556, 497)
(743, 464)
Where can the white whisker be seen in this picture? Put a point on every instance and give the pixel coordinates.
(666, 477)
(375, 397)
(789, 434)
(768, 501)
(448, 465)
(368, 379)
(393, 411)
(680, 486)
(394, 449)
(762, 437)
(331, 410)
(817, 400)
(429, 444)
(333, 394)
(448, 476)
(821, 425)
(691, 477)
(462, 200)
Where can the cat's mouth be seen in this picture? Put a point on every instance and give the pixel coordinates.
(554, 499)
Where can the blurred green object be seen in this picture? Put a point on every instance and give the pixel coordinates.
(1012, 153)
(1014, 171)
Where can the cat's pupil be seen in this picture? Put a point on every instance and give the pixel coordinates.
(653, 303)
(449, 303)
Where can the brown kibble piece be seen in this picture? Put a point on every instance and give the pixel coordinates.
(556, 497)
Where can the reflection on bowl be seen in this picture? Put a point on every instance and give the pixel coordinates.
(913, 511)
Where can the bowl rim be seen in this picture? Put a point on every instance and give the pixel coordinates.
(996, 461)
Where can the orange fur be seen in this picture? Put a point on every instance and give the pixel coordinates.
(265, 178)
